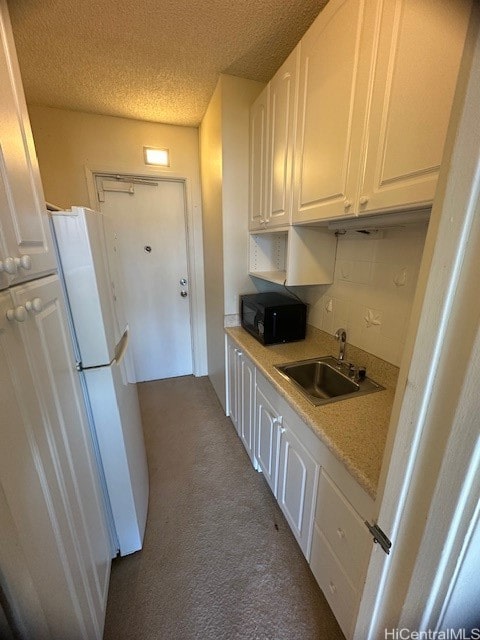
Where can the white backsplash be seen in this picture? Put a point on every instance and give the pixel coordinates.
(372, 293)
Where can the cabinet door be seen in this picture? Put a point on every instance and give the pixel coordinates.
(64, 440)
(297, 482)
(330, 112)
(341, 548)
(281, 122)
(50, 515)
(416, 67)
(233, 383)
(258, 161)
(247, 406)
(267, 424)
(25, 241)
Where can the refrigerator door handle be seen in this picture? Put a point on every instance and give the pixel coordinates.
(121, 347)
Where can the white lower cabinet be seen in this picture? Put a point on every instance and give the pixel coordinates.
(241, 393)
(324, 506)
(297, 483)
(340, 552)
(233, 354)
(246, 407)
(267, 425)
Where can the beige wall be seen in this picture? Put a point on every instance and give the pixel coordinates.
(224, 149)
(70, 145)
(211, 172)
(238, 96)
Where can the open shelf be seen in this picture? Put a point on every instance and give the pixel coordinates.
(278, 277)
(296, 256)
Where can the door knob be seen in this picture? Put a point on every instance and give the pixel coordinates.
(184, 294)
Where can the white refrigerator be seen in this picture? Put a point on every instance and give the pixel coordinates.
(101, 345)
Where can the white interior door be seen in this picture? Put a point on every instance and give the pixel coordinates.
(148, 218)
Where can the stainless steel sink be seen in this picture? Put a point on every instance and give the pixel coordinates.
(324, 380)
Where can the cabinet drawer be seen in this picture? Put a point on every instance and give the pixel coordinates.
(337, 588)
(343, 528)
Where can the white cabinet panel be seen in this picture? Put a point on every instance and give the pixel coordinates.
(281, 119)
(340, 551)
(343, 528)
(297, 482)
(258, 161)
(267, 424)
(241, 396)
(58, 439)
(327, 142)
(376, 85)
(247, 406)
(232, 383)
(25, 240)
(337, 588)
(46, 468)
(415, 73)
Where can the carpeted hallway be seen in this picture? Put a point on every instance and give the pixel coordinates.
(219, 561)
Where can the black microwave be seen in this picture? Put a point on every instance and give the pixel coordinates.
(272, 317)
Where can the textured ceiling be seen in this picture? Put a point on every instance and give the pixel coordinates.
(155, 60)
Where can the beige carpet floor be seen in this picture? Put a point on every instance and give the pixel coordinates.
(219, 561)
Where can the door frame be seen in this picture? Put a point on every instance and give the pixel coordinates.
(427, 501)
(194, 253)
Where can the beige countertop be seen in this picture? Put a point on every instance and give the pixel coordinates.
(354, 430)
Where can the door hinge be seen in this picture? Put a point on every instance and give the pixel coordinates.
(379, 537)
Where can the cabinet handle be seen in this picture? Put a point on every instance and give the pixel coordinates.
(19, 314)
(34, 305)
(341, 533)
(347, 204)
(363, 200)
(25, 262)
(332, 587)
(9, 266)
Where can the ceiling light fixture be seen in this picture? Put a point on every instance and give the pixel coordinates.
(159, 157)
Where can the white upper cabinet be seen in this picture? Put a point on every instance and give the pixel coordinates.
(416, 66)
(327, 138)
(258, 162)
(376, 86)
(281, 112)
(272, 129)
(25, 242)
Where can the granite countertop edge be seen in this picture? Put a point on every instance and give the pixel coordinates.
(354, 430)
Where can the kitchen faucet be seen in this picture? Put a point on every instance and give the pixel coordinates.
(341, 336)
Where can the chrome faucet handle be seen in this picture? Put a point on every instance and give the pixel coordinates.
(341, 336)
